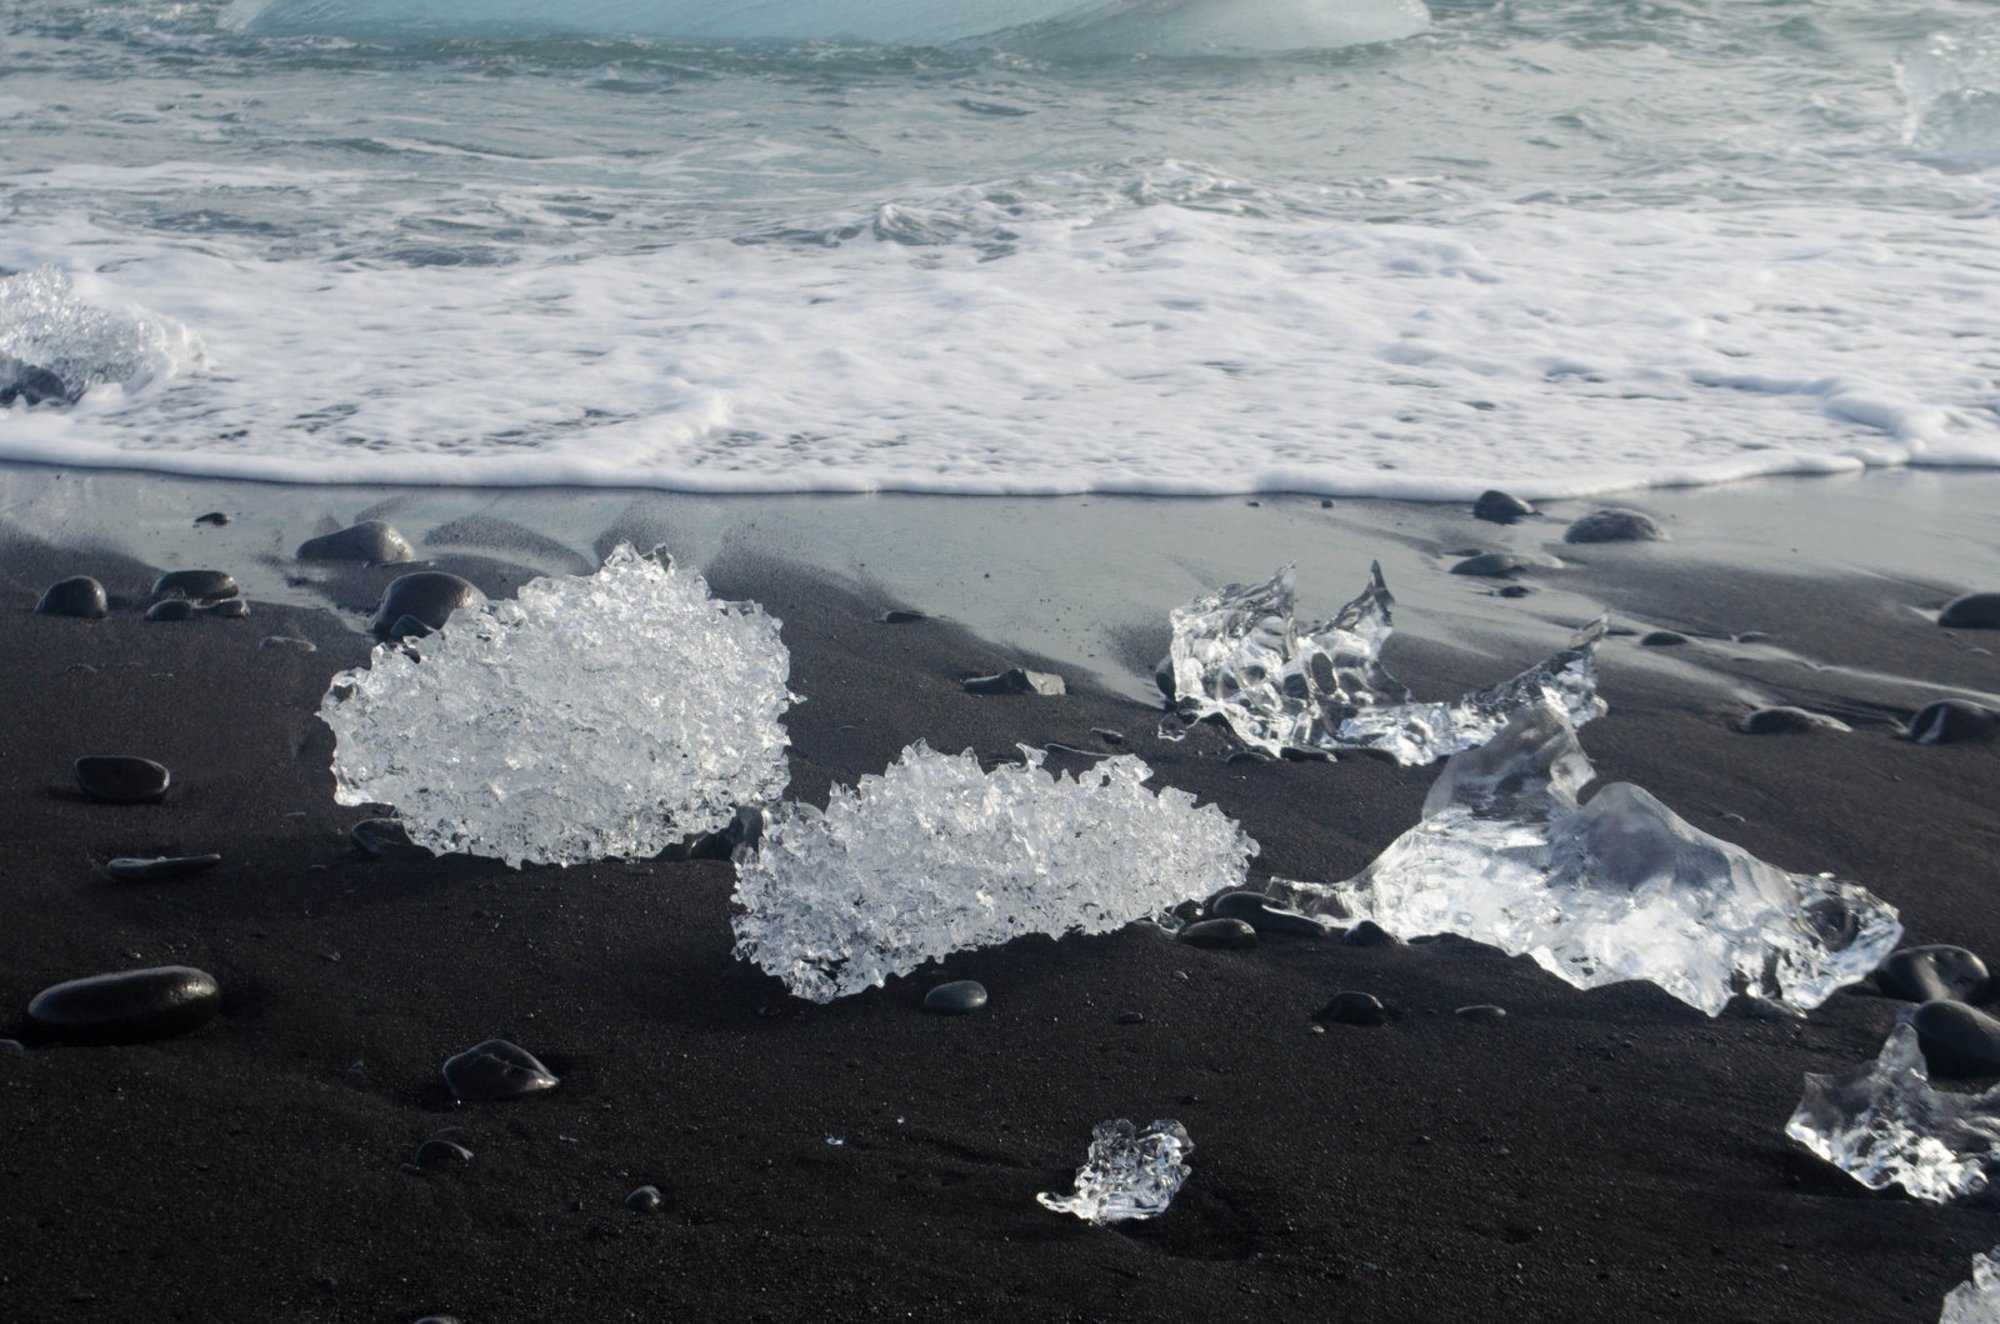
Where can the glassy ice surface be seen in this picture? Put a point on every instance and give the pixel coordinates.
(595, 715)
(47, 324)
(1976, 1301)
(1884, 1125)
(1128, 1173)
(1621, 888)
(1240, 654)
(935, 856)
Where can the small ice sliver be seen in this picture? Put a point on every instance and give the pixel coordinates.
(1128, 1173)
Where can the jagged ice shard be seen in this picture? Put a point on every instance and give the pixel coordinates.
(1976, 1301)
(1127, 1174)
(1883, 1125)
(1239, 654)
(593, 716)
(936, 855)
(1621, 888)
(50, 331)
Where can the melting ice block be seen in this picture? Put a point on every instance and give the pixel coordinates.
(1883, 1125)
(1621, 888)
(1977, 1301)
(1240, 654)
(1128, 1173)
(936, 855)
(48, 329)
(595, 715)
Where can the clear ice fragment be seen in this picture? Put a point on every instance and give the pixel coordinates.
(593, 716)
(1128, 1173)
(1620, 888)
(1978, 1300)
(936, 855)
(48, 329)
(1239, 654)
(1883, 1125)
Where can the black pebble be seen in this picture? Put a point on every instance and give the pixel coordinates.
(644, 1200)
(496, 1070)
(1949, 721)
(896, 616)
(1163, 675)
(371, 541)
(1786, 722)
(130, 1006)
(1352, 1008)
(160, 869)
(1130, 1018)
(214, 517)
(1937, 973)
(959, 998)
(1615, 525)
(1369, 934)
(122, 779)
(1223, 934)
(1974, 611)
(1662, 639)
(1482, 1013)
(1957, 1040)
(31, 384)
(201, 585)
(437, 1153)
(426, 596)
(171, 609)
(1496, 565)
(230, 609)
(79, 595)
(1264, 915)
(1497, 507)
(1017, 680)
(1515, 591)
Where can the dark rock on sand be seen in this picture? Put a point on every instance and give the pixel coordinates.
(171, 609)
(161, 868)
(1957, 1040)
(122, 779)
(1788, 721)
(1949, 721)
(958, 998)
(1497, 507)
(1481, 1013)
(201, 585)
(286, 643)
(897, 616)
(1129, 1018)
(1353, 1008)
(496, 1070)
(1264, 915)
(1369, 934)
(79, 595)
(215, 518)
(379, 836)
(1662, 639)
(426, 596)
(30, 384)
(440, 1153)
(371, 541)
(1974, 611)
(130, 1006)
(1219, 934)
(1163, 675)
(230, 609)
(1515, 591)
(1937, 973)
(645, 1200)
(1017, 680)
(1615, 524)
(1498, 565)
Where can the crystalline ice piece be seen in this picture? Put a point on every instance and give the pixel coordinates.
(596, 715)
(1884, 1125)
(1128, 1174)
(1618, 889)
(1977, 1301)
(1239, 654)
(48, 329)
(935, 856)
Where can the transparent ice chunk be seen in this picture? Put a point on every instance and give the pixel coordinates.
(936, 855)
(1978, 1300)
(1239, 654)
(1620, 888)
(1883, 1125)
(595, 715)
(48, 327)
(1128, 1173)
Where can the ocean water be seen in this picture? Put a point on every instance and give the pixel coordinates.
(1167, 246)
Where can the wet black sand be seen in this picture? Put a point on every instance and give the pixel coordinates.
(1609, 1155)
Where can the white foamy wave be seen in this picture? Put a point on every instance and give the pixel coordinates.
(53, 330)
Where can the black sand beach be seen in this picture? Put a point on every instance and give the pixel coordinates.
(1607, 1155)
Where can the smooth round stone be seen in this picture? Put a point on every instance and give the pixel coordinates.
(1481, 1013)
(1938, 973)
(1163, 676)
(1949, 721)
(214, 518)
(645, 1200)
(1787, 721)
(201, 585)
(957, 998)
(898, 616)
(1662, 639)
(229, 609)
(1017, 680)
(8, 1047)
(286, 643)
(371, 540)
(496, 1070)
(122, 779)
(1353, 1008)
(1497, 507)
(79, 595)
(1515, 591)
(1498, 565)
(128, 1007)
(161, 868)
(1957, 1040)
(426, 596)
(1264, 915)
(171, 609)
(1974, 611)
(1615, 524)
(440, 1153)
(1219, 934)
(1369, 934)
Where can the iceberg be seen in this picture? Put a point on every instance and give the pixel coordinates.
(593, 716)
(1239, 654)
(1883, 1125)
(1978, 1300)
(56, 344)
(1620, 888)
(937, 855)
(1127, 1174)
